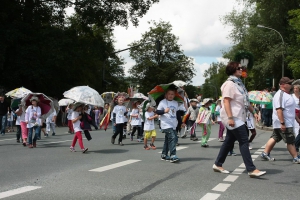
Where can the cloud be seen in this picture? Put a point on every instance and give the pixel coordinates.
(196, 23)
(200, 68)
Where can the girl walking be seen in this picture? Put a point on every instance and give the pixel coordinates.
(206, 128)
(76, 116)
(21, 114)
(217, 114)
(32, 119)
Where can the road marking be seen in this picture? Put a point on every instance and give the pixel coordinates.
(177, 148)
(58, 142)
(221, 187)
(238, 171)
(113, 166)
(242, 165)
(210, 139)
(7, 139)
(258, 152)
(18, 191)
(210, 196)
(254, 156)
(231, 178)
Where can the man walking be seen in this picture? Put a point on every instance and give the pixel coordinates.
(283, 121)
(3, 114)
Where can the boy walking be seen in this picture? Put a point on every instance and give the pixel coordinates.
(167, 108)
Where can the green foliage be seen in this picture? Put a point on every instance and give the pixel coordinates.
(156, 67)
(45, 52)
(192, 91)
(265, 44)
(215, 76)
(294, 55)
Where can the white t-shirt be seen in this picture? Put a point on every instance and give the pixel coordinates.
(10, 116)
(168, 120)
(50, 117)
(22, 117)
(135, 121)
(119, 111)
(288, 105)
(250, 120)
(296, 101)
(32, 116)
(76, 125)
(149, 124)
(218, 108)
(69, 111)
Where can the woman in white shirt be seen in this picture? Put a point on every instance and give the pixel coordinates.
(32, 119)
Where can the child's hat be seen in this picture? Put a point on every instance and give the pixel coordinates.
(206, 100)
(194, 100)
(34, 98)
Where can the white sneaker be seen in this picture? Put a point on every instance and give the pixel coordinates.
(250, 145)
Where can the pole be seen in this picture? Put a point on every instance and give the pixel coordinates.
(282, 67)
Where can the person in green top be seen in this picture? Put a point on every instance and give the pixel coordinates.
(268, 114)
(213, 108)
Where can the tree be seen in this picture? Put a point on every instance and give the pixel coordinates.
(214, 77)
(265, 45)
(159, 63)
(46, 52)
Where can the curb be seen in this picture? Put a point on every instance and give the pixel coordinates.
(265, 128)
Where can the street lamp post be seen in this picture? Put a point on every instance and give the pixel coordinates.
(261, 26)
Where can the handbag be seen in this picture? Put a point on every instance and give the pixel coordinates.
(204, 117)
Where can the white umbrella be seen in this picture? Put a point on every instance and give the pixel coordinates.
(65, 102)
(18, 93)
(179, 83)
(85, 94)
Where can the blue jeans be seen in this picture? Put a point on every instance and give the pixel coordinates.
(36, 133)
(170, 142)
(3, 122)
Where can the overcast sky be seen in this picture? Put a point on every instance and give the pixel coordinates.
(196, 23)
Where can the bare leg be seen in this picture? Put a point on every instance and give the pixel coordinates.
(269, 146)
(292, 149)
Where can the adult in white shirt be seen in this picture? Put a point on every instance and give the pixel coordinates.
(32, 119)
(283, 121)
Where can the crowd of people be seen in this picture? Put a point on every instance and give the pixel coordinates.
(233, 112)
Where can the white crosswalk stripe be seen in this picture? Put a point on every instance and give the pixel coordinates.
(113, 166)
(18, 191)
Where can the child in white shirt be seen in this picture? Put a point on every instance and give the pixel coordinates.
(118, 119)
(149, 127)
(167, 110)
(10, 120)
(76, 116)
(135, 121)
(69, 111)
(50, 123)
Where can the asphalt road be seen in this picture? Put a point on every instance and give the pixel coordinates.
(52, 172)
